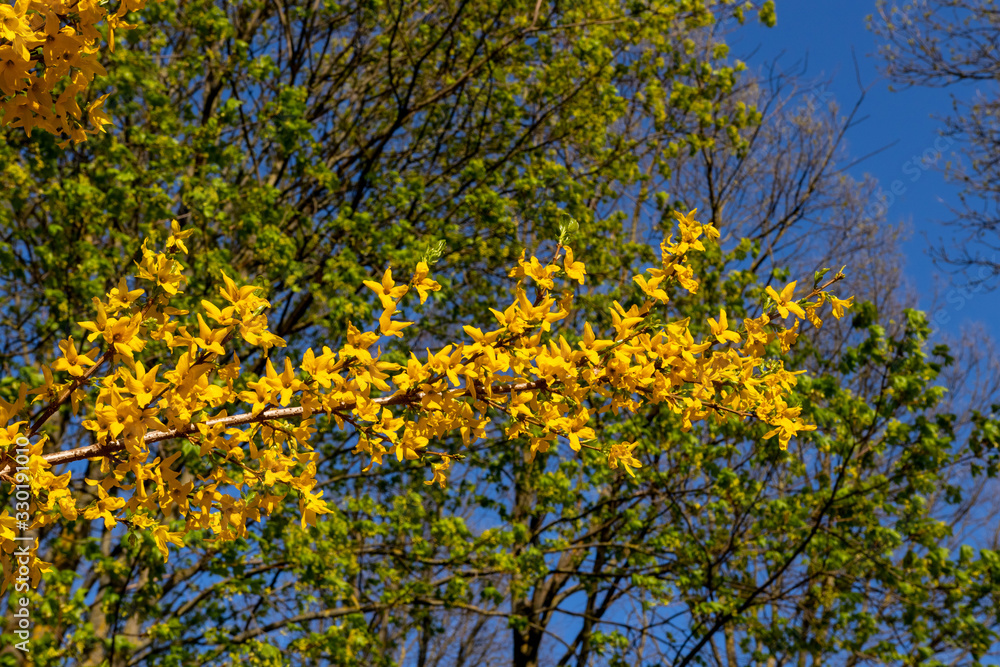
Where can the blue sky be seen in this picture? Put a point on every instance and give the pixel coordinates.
(904, 123)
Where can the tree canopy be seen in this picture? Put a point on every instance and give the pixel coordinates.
(409, 383)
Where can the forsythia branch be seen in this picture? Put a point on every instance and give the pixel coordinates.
(523, 381)
(103, 450)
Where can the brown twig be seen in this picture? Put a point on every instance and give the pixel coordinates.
(106, 449)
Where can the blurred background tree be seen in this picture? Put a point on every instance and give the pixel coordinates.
(954, 44)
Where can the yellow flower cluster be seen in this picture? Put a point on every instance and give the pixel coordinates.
(45, 42)
(523, 378)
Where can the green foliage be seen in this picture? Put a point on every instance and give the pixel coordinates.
(313, 144)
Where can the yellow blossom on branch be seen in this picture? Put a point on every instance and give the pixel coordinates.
(519, 379)
(49, 45)
(784, 303)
